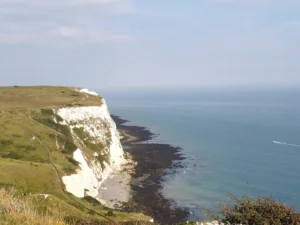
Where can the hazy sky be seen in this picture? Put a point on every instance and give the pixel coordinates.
(122, 44)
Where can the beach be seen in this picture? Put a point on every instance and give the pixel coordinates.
(151, 163)
(115, 189)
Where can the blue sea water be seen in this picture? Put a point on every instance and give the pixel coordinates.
(244, 143)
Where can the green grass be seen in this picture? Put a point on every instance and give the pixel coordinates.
(31, 177)
(17, 133)
(42, 97)
(29, 157)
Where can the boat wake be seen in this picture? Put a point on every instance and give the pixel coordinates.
(282, 143)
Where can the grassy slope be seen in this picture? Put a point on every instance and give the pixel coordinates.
(29, 158)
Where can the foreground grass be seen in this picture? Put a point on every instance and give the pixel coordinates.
(14, 211)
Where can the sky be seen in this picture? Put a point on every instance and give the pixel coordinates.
(150, 44)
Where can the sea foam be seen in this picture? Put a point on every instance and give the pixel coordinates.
(283, 143)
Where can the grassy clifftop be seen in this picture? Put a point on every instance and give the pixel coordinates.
(35, 152)
(27, 98)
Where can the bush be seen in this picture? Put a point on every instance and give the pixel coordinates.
(47, 112)
(11, 155)
(73, 161)
(5, 143)
(92, 200)
(110, 213)
(70, 147)
(261, 210)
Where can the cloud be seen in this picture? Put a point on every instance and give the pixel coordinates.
(58, 35)
(68, 31)
(89, 35)
(61, 21)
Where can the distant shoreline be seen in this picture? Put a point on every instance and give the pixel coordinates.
(153, 161)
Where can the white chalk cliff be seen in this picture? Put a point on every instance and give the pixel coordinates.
(92, 126)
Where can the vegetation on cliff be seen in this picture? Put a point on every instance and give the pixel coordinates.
(260, 210)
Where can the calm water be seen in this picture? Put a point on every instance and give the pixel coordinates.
(228, 139)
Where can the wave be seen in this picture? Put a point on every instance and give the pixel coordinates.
(283, 143)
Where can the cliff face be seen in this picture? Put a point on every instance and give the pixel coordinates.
(99, 151)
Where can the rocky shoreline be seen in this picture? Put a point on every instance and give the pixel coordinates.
(153, 162)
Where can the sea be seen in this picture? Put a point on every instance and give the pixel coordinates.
(235, 142)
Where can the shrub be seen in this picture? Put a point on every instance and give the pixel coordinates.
(92, 200)
(261, 210)
(47, 112)
(70, 147)
(73, 161)
(110, 213)
(5, 143)
(47, 122)
(11, 155)
(58, 118)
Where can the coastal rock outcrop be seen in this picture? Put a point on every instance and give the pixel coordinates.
(99, 152)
